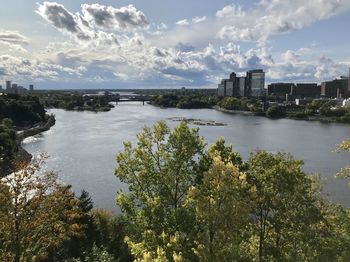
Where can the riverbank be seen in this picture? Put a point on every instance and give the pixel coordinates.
(323, 119)
(240, 112)
(22, 154)
(86, 108)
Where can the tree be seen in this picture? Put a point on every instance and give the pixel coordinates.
(8, 146)
(275, 112)
(222, 204)
(159, 171)
(36, 214)
(109, 233)
(345, 171)
(284, 208)
(186, 203)
(78, 245)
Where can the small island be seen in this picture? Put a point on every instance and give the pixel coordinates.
(198, 122)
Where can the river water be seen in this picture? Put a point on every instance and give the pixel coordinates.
(82, 145)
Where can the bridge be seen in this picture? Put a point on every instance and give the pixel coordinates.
(120, 98)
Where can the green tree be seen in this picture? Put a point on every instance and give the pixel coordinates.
(109, 233)
(275, 112)
(8, 146)
(345, 171)
(159, 171)
(284, 207)
(78, 245)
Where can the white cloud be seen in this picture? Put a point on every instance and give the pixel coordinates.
(275, 17)
(230, 11)
(183, 22)
(198, 19)
(162, 26)
(121, 45)
(13, 37)
(13, 41)
(24, 69)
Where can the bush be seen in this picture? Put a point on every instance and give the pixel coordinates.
(275, 112)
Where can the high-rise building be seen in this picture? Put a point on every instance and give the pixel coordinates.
(222, 88)
(14, 88)
(230, 84)
(230, 87)
(0, 87)
(251, 85)
(31, 88)
(255, 83)
(241, 86)
(8, 85)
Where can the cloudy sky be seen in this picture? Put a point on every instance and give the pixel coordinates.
(169, 44)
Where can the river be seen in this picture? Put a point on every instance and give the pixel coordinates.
(82, 145)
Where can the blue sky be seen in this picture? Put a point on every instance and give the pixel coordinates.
(169, 44)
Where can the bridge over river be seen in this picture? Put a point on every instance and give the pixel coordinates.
(120, 97)
(130, 97)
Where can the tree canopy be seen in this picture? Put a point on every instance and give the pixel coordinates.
(189, 202)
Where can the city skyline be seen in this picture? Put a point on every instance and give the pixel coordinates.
(133, 44)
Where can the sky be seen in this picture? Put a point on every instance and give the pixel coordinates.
(169, 44)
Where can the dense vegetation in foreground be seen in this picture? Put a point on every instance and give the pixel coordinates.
(186, 202)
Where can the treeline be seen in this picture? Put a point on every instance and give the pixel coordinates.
(177, 92)
(241, 104)
(208, 101)
(17, 112)
(324, 109)
(184, 101)
(74, 101)
(23, 110)
(8, 146)
(186, 202)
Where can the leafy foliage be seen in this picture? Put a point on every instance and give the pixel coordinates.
(189, 203)
(37, 214)
(70, 100)
(159, 171)
(222, 206)
(275, 112)
(184, 101)
(8, 146)
(23, 110)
